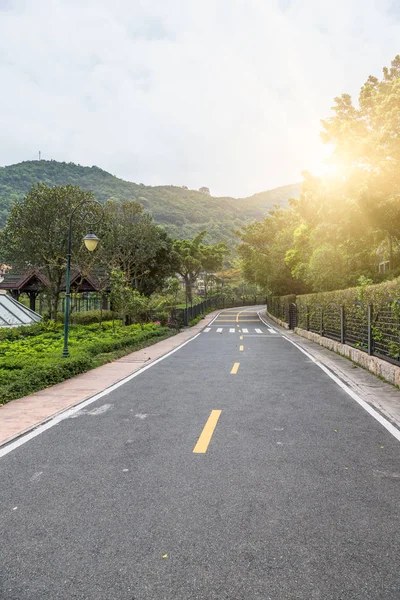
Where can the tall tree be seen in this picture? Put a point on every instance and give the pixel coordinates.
(212, 260)
(36, 231)
(189, 259)
(135, 245)
(194, 258)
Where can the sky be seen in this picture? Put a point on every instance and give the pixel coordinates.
(226, 94)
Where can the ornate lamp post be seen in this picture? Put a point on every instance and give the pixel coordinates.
(91, 241)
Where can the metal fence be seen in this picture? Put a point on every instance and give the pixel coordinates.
(183, 316)
(372, 329)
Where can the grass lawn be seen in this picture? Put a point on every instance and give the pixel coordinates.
(30, 357)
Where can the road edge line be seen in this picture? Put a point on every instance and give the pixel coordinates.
(265, 322)
(370, 410)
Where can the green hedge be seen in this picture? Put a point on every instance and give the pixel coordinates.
(88, 317)
(376, 294)
(31, 360)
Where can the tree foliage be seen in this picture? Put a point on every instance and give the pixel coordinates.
(344, 224)
(194, 258)
(133, 243)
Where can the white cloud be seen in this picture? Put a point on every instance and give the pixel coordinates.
(222, 93)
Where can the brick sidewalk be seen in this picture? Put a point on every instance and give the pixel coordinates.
(22, 415)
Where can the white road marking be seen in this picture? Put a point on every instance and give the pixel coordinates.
(36, 476)
(266, 323)
(245, 330)
(232, 330)
(99, 410)
(271, 330)
(74, 409)
(95, 412)
(219, 330)
(386, 424)
(207, 329)
(141, 416)
(258, 331)
(211, 322)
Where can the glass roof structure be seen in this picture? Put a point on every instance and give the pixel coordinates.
(15, 314)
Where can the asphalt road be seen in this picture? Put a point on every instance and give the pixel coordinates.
(293, 495)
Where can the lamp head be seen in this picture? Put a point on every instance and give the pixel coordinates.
(91, 241)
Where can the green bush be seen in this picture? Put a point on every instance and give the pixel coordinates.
(162, 317)
(88, 317)
(31, 357)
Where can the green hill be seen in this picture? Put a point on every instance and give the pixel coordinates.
(182, 212)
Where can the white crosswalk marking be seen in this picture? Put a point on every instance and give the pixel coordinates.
(219, 330)
(271, 330)
(231, 330)
(245, 330)
(258, 331)
(207, 329)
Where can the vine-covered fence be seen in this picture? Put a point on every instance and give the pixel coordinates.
(374, 329)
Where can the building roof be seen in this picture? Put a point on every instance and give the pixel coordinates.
(35, 281)
(14, 314)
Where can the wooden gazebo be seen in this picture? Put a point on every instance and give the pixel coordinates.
(34, 282)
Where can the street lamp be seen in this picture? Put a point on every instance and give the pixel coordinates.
(91, 241)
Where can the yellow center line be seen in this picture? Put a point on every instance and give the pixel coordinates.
(241, 348)
(241, 337)
(235, 368)
(206, 434)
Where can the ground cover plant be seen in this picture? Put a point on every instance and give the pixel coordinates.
(30, 357)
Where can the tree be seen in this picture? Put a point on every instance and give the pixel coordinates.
(124, 300)
(36, 231)
(212, 259)
(189, 261)
(205, 190)
(134, 244)
(194, 258)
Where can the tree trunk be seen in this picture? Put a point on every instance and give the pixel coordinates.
(188, 289)
(54, 305)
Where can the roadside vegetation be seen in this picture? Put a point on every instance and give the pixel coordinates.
(344, 228)
(30, 357)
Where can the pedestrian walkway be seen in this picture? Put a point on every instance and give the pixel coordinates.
(20, 416)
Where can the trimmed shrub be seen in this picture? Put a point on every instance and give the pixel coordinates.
(88, 317)
(34, 362)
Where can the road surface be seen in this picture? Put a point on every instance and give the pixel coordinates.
(234, 468)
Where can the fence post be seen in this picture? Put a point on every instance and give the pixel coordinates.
(307, 318)
(342, 337)
(370, 341)
(322, 323)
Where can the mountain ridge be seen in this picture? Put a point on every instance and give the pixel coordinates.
(181, 211)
